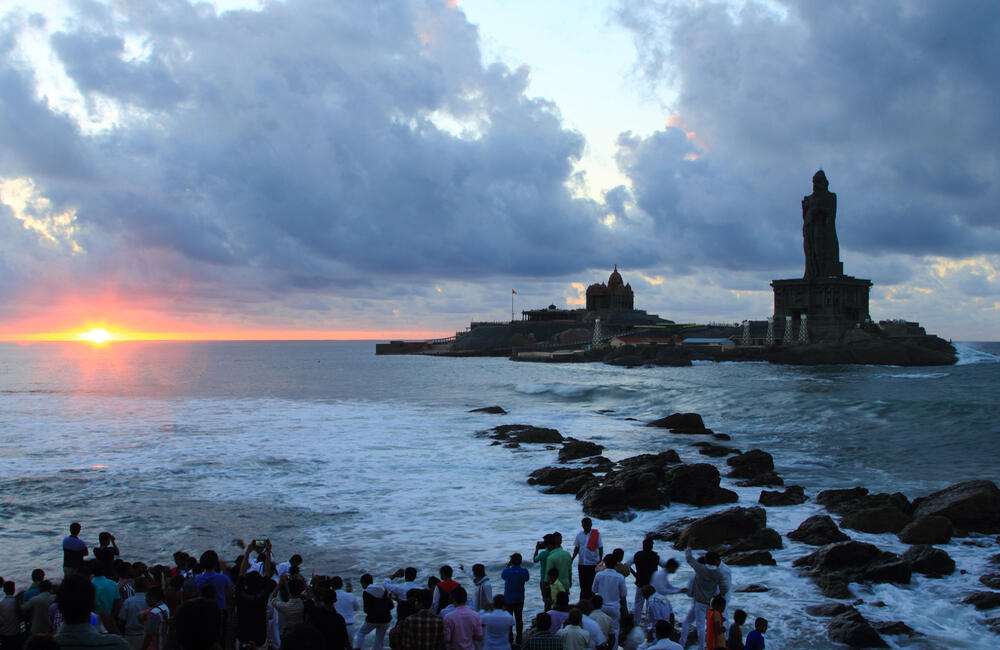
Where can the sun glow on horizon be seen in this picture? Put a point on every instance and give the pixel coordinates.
(96, 335)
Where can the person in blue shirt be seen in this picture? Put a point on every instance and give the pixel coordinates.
(755, 639)
(74, 550)
(514, 576)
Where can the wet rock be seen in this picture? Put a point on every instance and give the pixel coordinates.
(495, 410)
(991, 580)
(753, 463)
(930, 561)
(749, 558)
(600, 463)
(880, 519)
(572, 485)
(765, 538)
(697, 485)
(840, 556)
(834, 586)
(722, 436)
(836, 565)
(851, 628)
(651, 462)
(767, 479)
(573, 449)
(895, 571)
(792, 496)
(983, 600)
(894, 628)
(826, 610)
(557, 475)
(843, 502)
(724, 529)
(681, 423)
(971, 506)
(525, 433)
(932, 529)
(818, 530)
(714, 451)
(511, 445)
(605, 501)
(994, 559)
(752, 589)
(627, 361)
(993, 624)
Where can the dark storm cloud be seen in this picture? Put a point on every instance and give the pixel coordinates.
(896, 100)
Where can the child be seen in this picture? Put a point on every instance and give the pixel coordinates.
(734, 641)
(755, 640)
(715, 634)
(555, 585)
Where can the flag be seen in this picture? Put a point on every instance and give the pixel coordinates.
(513, 292)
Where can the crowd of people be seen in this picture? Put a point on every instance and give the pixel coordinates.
(253, 603)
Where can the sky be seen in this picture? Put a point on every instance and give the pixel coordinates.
(315, 169)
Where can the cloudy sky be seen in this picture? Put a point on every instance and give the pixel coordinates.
(348, 169)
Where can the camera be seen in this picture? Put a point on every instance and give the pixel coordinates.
(259, 544)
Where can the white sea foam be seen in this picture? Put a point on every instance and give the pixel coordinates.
(916, 375)
(968, 354)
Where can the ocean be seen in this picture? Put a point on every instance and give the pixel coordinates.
(367, 464)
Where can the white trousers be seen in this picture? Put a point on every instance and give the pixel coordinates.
(380, 628)
(698, 615)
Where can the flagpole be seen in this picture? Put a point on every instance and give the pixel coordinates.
(512, 292)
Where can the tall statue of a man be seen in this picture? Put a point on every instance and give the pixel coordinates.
(819, 230)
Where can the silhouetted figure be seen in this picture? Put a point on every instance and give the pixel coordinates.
(819, 231)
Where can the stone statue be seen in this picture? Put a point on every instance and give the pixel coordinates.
(819, 231)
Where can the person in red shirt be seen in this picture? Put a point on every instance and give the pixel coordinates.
(715, 634)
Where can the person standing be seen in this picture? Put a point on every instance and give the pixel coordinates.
(75, 600)
(590, 547)
(74, 550)
(560, 560)
(542, 549)
(707, 581)
(36, 610)
(543, 638)
(483, 592)
(424, 630)
(10, 619)
(106, 553)
(443, 589)
(514, 578)
(347, 604)
(377, 603)
(157, 626)
(573, 636)
(462, 627)
(644, 564)
(497, 624)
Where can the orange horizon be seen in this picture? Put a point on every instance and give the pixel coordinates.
(120, 336)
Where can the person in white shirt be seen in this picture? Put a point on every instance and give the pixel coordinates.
(590, 547)
(497, 624)
(347, 605)
(590, 625)
(609, 584)
(482, 591)
(285, 568)
(573, 634)
(663, 631)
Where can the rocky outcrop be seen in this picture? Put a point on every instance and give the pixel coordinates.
(835, 565)
(792, 496)
(749, 558)
(767, 479)
(494, 410)
(843, 502)
(818, 530)
(826, 610)
(991, 580)
(681, 423)
(733, 530)
(753, 463)
(983, 600)
(879, 519)
(525, 433)
(557, 475)
(930, 561)
(573, 449)
(932, 529)
(970, 506)
(852, 629)
(713, 450)
(894, 628)
(920, 351)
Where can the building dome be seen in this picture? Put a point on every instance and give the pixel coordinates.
(615, 279)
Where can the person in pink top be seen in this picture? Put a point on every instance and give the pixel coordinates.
(462, 627)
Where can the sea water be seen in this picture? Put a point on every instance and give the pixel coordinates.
(367, 464)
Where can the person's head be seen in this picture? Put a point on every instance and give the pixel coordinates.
(575, 617)
(446, 572)
(712, 558)
(499, 602)
(295, 560)
(328, 598)
(38, 575)
(45, 586)
(585, 606)
(587, 524)
(718, 603)
(198, 623)
(104, 538)
(96, 569)
(819, 181)
(516, 559)
(337, 582)
(562, 601)
(597, 601)
(432, 582)
(547, 541)
(296, 587)
(209, 561)
(459, 596)
(760, 624)
(553, 574)
(647, 544)
(8, 587)
(154, 596)
(140, 585)
(543, 622)
(180, 559)
(739, 617)
(671, 565)
(478, 570)
(610, 561)
(664, 629)
(366, 580)
(75, 598)
(74, 529)
(410, 574)
(556, 539)
(619, 554)
(426, 598)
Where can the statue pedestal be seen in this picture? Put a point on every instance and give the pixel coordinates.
(829, 303)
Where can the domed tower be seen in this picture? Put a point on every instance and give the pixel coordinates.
(613, 296)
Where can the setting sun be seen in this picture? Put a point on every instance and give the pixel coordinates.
(96, 336)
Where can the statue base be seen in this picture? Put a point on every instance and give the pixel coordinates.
(836, 302)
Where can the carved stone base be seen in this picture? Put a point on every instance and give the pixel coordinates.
(832, 301)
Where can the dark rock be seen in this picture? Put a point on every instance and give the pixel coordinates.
(715, 451)
(792, 496)
(880, 519)
(993, 624)
(600, 463)
(765, 538)
(932, 529)
(921, 351)
(894, 628)
(651, 462)
(840, 556)
(928, 560)
(557, 475)
(752, 589)
(669, 532)
(723, 529)
(722, 436)
(495, 410)
(511, 445)
(991, 580)
(834, 585)
(525, 433)
(895, 571)
(841, 501)
(605, 501)
(767, 479)
(983, 600)
(826, 610)
(851, 628)
(972, 506)
(628, 361)
(681, 423)
(749, 558)
(573, 449)
(572, 485)
(994, 559)
(697, 485)
(753, 463)
(834, 566)
(818, 530)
